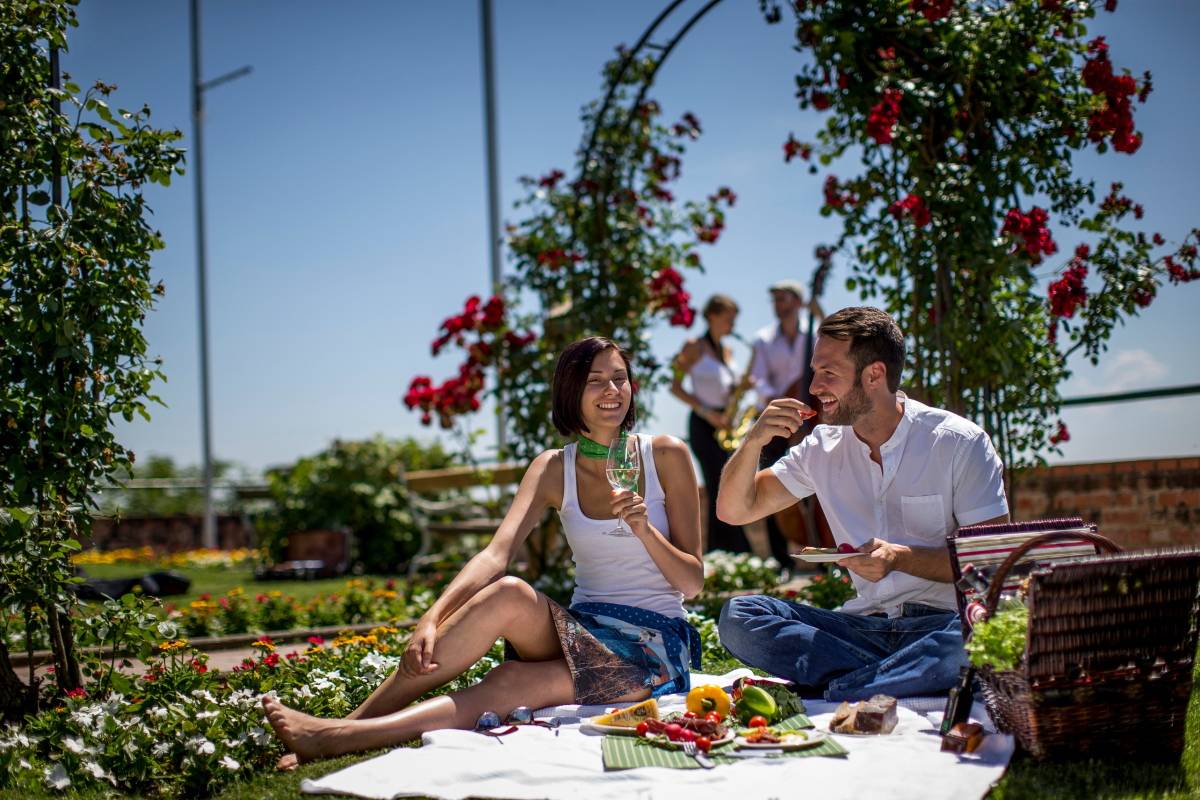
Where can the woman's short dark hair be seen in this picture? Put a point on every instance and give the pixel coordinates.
(718, 304)
(570, 379)
(873, 336)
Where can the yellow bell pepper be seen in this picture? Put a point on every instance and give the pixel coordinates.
(703, 699)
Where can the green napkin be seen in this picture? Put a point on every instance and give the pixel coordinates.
(628, 752)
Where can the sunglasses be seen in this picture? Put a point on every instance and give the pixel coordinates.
(489, 722)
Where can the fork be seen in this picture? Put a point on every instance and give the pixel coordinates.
(690, 749)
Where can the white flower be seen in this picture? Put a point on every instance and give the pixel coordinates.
(23, 764)
(204, 694)
(202, 745)
(168, 630)
(158, 712)
(98, 771)
(160, 749)
(303, 692)
(259, 736)
(74, 745)
(56, 777)
(230, 764)
(208, 714)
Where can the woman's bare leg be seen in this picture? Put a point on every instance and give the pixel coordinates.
(531, 683)
(510, 607)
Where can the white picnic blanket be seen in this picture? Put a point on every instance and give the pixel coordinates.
(533, 763)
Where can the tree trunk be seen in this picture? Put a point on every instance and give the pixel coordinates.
(15, 696)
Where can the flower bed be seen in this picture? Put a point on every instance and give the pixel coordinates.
(183, 730)
(148, 557)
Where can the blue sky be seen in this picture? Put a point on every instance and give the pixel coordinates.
(347, 211)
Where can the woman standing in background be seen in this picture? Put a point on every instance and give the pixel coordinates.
(708, 364)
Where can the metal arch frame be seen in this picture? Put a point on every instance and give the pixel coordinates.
(643, 43)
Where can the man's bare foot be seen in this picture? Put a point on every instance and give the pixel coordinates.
(287, 761)
(306, 737)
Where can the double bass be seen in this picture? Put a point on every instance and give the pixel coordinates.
(804, 523)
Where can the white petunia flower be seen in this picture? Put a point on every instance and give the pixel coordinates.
(23, 764)
(158, 712)
(303, 692)
(97, 771)
(75, 745)
(230, 764)
(202, 745)
(204, 694)
(208, 714)
(56, 777)
(160, 749)
(259, 736)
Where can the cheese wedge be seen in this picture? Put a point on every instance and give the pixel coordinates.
(629, 717)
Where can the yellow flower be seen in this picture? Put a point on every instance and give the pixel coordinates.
(236, 591)
(175, 644)
(387, 593)
(384, 630)
(265, 646)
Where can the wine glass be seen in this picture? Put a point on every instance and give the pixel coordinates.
(624, 466)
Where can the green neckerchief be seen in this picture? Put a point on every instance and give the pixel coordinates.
(590, 449)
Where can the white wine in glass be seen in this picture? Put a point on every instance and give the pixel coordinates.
(624, 467)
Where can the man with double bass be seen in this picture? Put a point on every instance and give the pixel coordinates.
(781, 369)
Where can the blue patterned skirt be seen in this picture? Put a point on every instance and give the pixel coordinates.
(615, 651)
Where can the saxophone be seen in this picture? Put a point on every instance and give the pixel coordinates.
(731, 438)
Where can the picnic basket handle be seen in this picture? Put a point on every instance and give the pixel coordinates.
(997, 586)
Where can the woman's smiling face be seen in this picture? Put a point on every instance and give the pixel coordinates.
(607, 394)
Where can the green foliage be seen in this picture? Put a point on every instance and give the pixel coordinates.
(961, 120)
(999, 641)
(830, 588)
(160, 502)
(355, 485)
(75, 287)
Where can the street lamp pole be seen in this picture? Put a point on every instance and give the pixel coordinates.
(493, 182)
(209, 532)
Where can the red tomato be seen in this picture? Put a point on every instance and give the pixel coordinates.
(673, 730)
(847, 548)
(687, 735)
(758, 721)
(642, 728)
(703, 744)
(714, 717)
(689, 715)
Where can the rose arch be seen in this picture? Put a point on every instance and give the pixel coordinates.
(959, 119)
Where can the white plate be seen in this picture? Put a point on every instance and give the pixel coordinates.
(823, 558)
(662, 741)
(791, 741)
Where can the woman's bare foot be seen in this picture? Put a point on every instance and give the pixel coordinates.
(306, 737)
(287, 761)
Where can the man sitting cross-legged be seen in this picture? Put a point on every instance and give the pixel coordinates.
(893, 476)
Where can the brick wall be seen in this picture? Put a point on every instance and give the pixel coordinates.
(168, 534)
(1137, 504)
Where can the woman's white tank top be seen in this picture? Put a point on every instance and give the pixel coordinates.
(617, 569)
(712, 381)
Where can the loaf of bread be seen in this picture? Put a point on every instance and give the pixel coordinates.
(874, 716)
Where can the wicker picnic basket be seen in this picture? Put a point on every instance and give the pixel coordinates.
(1109, 653)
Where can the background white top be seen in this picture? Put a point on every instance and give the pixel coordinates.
(712, 381)
(617, 569)
(939, 472)
(778, 362)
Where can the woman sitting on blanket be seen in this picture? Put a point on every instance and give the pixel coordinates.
(624, 637)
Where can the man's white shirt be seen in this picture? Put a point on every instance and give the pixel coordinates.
(778, 362)
(939, 472)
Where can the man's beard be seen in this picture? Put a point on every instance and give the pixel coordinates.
(850, 408)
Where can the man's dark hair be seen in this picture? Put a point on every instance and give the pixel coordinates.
(570, 379)
(873, 336)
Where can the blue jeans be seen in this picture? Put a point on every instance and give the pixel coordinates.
(846, 656)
